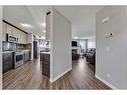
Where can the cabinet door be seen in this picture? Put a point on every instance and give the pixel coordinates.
(19, 36)
(15, 32)
(24, 38)
(29, 38)
(8, 62)
(10, 30)
(4, 31)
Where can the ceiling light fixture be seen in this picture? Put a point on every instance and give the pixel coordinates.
(75, 37)
(25, 25)
(44, 24)
(43, 37)
(44, 31)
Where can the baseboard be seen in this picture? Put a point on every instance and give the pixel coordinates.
(56, 78)
(107, 83)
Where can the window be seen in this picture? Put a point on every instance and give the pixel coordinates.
(91, 43)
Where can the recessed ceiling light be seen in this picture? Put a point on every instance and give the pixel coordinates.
(43, 37)
(75, 37)
(25, 25)
(44, 24)
(44, 31)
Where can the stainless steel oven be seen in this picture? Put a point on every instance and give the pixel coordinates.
(19, 56)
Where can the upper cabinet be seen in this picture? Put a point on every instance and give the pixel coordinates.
(12, 31)
(29, 38)
(21, 37)
(9, 29)
(15, 32)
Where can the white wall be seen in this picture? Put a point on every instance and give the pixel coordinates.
(111, 61)
(61, 61)
(91, 43)
(0, 47)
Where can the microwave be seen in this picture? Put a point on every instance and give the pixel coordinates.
(10, 38)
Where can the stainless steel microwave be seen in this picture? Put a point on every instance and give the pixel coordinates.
(10, 38)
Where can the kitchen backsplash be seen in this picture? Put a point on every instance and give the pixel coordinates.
(23, 46)
(9, 46)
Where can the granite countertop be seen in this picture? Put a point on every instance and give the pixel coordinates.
(27, 50)
(45, 52)
(24, 50)
(8, 51)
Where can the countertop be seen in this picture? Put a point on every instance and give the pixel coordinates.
(45, 52)
(27, 50)
(8, 51)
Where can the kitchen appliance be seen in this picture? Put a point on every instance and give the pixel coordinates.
(10, 38)
(19, 58)
(74, 43)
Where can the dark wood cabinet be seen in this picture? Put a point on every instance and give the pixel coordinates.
(8, 61)
(45, 60)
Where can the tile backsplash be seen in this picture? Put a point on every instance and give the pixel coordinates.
(9, 46)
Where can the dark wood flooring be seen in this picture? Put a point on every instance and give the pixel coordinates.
(29, 76)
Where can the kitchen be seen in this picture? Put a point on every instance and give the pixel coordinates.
(34, 42)
(16, 46)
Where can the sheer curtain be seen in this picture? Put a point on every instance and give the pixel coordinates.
(82, 44)
(91, 43)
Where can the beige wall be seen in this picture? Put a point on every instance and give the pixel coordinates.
(60, 45)
(111, 58)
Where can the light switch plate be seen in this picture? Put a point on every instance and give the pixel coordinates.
(105, 20)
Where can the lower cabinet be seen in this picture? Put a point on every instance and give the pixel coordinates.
(27, 56)
(8, 61)
(45, 61)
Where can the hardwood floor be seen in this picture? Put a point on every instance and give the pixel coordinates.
(29, 76)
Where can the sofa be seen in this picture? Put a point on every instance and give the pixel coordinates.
(90, 55)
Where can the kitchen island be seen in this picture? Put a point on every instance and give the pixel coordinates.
(45, 61)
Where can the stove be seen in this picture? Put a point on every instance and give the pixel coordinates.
(18, 60)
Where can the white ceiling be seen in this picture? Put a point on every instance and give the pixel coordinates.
(82, 17)
(33, 15)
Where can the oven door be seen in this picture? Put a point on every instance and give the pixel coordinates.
(18, 60)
